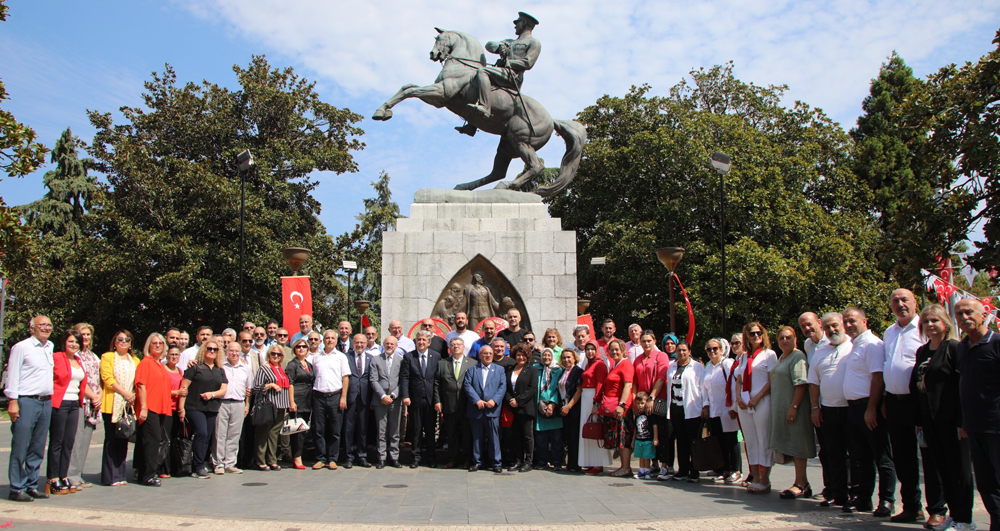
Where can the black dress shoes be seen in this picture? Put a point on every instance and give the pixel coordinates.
(348, 464)
(903, 517)
(498, 469)
(526, 467)
(474, 468)
(34, 493)
(380, 465)
(364, 464)
(395, 464)
(415, 464)
(884, 509)
(19, 496)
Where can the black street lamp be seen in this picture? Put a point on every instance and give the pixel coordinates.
(349, 266)
(720, 161)
(245, 161)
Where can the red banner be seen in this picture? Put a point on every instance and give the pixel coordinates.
(296, 299)
(944, 268)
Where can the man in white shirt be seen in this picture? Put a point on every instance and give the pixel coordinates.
(259, 346)
(812, 330)
(250, 355)
(186, 360)
(829, 407)
(29, 388)
(315, 342)
(305, 326)
(632, 346)
(371, 341)
(233, 409)
(329, 400)
(902, 339)
(468, 336)
(403, 343)
(869, 441)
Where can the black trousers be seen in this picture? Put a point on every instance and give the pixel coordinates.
(424, 420)
(173, 428)
(869, 451)
(356, 430)
(684, 432)
(952, 466)
(455, 427)
(901, 415)
(835, 422)
(248, 448)
(62, 434)
(151, 434)
(571, 436)
(113, 469)
(523, 438)
(986, 462)
(327, 418)
(665, 451)
(729, 442)
(297, 441)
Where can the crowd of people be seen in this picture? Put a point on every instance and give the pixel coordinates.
(875, 408)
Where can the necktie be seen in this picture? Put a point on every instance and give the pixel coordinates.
(457, 365)
(361, 364)
(388, 362)
(423, 363)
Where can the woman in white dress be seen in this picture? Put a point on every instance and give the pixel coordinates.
(592, 456)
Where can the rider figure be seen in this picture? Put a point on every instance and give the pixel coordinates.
(516, 56)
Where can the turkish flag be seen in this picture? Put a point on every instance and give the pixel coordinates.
(944, 268)
(296, 299)
(988, 304)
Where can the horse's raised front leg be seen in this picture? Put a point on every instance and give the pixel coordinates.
(432, 94)
(505, 153)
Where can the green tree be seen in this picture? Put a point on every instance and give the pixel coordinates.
(70, 193)
(364, 245)
(163, 245)
(796, 239)
(906, 178)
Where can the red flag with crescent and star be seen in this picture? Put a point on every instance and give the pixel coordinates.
(296, 299)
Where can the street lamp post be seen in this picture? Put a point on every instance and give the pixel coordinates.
(670, 257)
(245, 161)
(349, 266)
(720, 161)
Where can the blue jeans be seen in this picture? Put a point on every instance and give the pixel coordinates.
(549, 447)
(27, 445)
(203, 423)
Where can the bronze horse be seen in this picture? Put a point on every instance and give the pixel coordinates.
(524, 126)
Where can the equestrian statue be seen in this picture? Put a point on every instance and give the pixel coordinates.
(489, 98)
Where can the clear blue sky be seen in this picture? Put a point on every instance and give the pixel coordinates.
(62, 57)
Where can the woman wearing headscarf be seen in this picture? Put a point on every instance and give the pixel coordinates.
(90, 412)
(118, 374)
(717, 398)
(548, 422)
(570, 392)
(614, 404)
(593, 456)
(669, 343)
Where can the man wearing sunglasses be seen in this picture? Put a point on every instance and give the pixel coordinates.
(259, 347)
(315, 342)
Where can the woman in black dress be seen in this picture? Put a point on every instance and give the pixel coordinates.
(522, 384)
(300, 373)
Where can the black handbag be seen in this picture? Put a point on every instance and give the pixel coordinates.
(182, 450)
(127, 424)
(264, 412)
(660, 407)
(706, 450)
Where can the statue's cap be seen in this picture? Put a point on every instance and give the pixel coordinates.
(527, 17)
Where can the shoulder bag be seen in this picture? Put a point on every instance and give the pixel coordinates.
(127, 424)
(593, 429)
(264, 412)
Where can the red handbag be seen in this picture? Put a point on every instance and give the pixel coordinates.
(506, 416)
(593, 429)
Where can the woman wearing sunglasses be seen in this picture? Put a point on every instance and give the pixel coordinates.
(753, 384)
(118, 374)
(206, 383)
(273, 382)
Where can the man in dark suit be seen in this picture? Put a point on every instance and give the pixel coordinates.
(437, 342)
(485, 385)
(385, 371)
(358, 400)
(417, 389)
(449, 399)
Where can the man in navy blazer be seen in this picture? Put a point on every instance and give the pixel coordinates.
(485, 385)
(358, 401)
(417, 391)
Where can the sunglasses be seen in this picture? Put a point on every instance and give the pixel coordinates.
(756, 333)
(299, 346)
(211, 349)
(313, 339)
(529, 339)
(259, 335)
(246, 341)
(282, 335)
(277, 355)
(124, 340)
(711, 349)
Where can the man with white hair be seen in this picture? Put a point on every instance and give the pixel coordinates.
(979, 365)
(902, 339)
(829, 407)
(632, 346)
(403, 343)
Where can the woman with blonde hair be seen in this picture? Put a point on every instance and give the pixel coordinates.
(152, 384)
(753, 385)
(552, 339)
(118, 374)
(935, 383)
(90, 413)
(272, 384)
(205, 382)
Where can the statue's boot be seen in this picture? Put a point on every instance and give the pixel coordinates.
(467, 129)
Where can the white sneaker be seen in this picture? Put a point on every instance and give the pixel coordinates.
(664, 475)
(959, 526)
(947, 524)
(219, 470)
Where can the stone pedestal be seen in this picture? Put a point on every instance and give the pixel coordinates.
(447, 229)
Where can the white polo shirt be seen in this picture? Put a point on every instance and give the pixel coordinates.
(330, 371)
(828, 371)
(866, 357)
(810, 347)
(901, 344)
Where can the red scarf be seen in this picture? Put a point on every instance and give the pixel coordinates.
(748, 370)
(729, 383)
(279, 376)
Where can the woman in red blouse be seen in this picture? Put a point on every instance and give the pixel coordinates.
(614, 404)
(592, 455)
(68, 391)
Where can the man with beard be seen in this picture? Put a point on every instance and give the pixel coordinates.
(461, 330)
(829, 407)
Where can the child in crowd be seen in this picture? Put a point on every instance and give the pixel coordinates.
(647, 436)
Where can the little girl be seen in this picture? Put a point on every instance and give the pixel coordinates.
(647, 436)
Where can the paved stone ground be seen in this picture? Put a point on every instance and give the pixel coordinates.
(403, 499)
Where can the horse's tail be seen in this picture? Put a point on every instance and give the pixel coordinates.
(575, 136)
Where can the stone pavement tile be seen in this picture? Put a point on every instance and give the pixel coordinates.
(339, 514)
(450, 510)
(413, 514)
